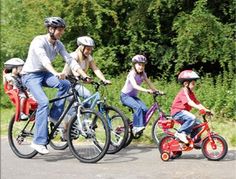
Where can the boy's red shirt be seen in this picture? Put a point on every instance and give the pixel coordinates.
(181, 101)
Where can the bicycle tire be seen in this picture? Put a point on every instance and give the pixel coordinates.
(92, 147)
(157, 132)
(118, 125)
(218, 153)
(130, 136)
(20, 137)
(58, 142)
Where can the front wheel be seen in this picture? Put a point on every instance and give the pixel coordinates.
(215, 149)
(118, 125)
(88, 136)
(20, 137)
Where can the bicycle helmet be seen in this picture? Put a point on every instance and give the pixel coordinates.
(13, 62)
(54, 22)
(139, 59)
(85, 41)
(187, 75)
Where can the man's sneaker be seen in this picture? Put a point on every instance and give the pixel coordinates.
(137, 130)
(181, 136)
(39, 148)
(23, 116)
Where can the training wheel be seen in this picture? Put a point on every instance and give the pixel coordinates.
(165, 156)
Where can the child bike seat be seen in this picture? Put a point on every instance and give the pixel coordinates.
(13, 94)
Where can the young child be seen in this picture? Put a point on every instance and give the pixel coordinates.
(130, 90)
(13, 68)
(184, 101)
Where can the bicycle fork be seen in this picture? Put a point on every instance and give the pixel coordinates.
(79, 123)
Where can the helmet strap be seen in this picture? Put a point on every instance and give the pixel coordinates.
(51, 33)
(136, 70)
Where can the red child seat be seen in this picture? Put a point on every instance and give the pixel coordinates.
(29, 105)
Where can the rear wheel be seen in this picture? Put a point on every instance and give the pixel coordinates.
(20, 137)
(157, 132)
(59, 141)
(118, 125)
(89, 140)
(130, 136)
(215, 150)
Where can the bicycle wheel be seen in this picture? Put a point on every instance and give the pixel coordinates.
(130, 136)
(165, 143)
(216, 151)
(20, 136)
(88, 142)
(157, 132)
(118, 126)
(58, 141)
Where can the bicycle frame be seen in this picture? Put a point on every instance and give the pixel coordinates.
(95, 99)
(155, 107)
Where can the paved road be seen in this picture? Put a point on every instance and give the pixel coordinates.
(135, 162)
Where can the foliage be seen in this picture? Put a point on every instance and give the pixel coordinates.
(174, 35)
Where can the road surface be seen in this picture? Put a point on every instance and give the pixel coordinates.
(134, 162)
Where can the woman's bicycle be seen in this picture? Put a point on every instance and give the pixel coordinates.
(88, 134)
(117, 122)
(214, 146)
(157, 132)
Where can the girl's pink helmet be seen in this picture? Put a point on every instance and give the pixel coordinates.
(187, 75)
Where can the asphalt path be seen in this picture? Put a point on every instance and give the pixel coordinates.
(133, 162)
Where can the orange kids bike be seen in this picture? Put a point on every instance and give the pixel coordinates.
(213, 146)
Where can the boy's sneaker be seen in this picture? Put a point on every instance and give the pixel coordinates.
(23, 116)
(39, 148)
(137, 130)
(181, 136)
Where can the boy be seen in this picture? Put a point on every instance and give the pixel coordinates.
(184, 101)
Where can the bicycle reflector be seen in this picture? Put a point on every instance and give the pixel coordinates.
(166, 124)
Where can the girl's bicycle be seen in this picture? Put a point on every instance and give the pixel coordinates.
(117, 122)
(88, 134)
(214, 146)
(157, 132)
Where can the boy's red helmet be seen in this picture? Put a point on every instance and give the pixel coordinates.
(187, 75)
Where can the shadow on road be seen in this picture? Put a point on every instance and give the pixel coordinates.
(125, 155)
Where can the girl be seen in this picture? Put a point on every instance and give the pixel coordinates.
(130, 90)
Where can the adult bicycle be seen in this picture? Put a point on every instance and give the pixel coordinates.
(117, 121)
(88, 141)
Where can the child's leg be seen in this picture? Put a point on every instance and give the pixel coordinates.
(138, 112)
(196, 131)
(22, 103)
(187, 119)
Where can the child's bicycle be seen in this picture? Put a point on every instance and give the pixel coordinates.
(157, 132)
(214, 146)
(88, 141)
